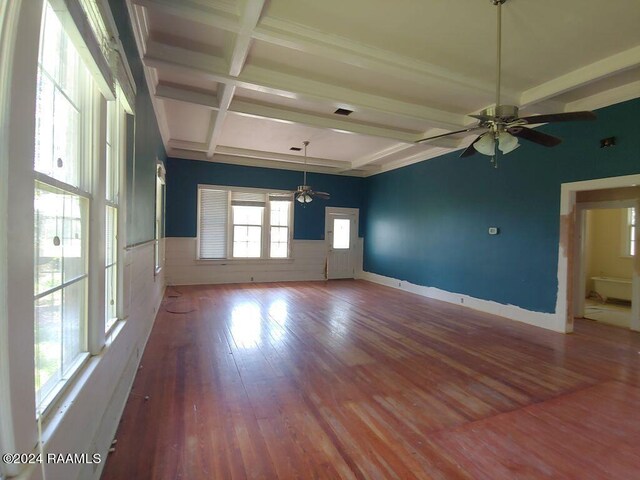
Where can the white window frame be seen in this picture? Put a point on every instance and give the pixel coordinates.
(160, 206)
(289, 227)
(90, 123)
(20, 26)
(266, 226)
(232, 232)
(627, 228)
(118, 152)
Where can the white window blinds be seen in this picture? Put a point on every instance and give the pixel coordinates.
(213, 223)
(248, 199)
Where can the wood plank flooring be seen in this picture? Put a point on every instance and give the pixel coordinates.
(352, 380)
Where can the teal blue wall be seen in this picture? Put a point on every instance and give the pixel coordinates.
(144, 143)
(183, 177)
(427, 223)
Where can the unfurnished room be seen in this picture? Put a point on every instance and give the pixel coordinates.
(296, 239)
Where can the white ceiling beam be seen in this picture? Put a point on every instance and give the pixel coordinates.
(256, 110)
(315, 120)
(370, 158)
(238, 57)
(444, 144)
(256, 162)
(179, 94)
(281, 157)
(186, 145)
(292, 86)
(225, 95)
(221, 16)
(612, 65)
(608, 97)
(252, 12)
(301, 38)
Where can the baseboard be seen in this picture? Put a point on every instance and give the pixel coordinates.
(550, 321)
(120, 396)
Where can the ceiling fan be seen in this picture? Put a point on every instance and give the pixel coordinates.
(304, 194)
(502, 124)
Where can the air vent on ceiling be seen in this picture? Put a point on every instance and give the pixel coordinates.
(343, 111)
(296, 149)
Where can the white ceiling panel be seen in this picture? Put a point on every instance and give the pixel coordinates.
(270, 135)
(249, 79)
(187, 122)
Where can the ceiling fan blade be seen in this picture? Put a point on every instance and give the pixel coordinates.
(322, 195)
(470, 150)
(558, 117)
(535, 136)
(449, 133)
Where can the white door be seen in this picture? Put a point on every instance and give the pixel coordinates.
(341, 230)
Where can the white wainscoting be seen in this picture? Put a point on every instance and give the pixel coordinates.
(307, 263)
(550, 321)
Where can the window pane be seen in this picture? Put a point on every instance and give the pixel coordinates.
(44, 125)
(112, 151)
(48, 339)
(73, 323)
(60, 245)
(60, 77)
(280, 213)
(341, 232)
(279, 234)
(247, 241)
(48, 240)
(110, 235)
(279, 242)
(278, 250)
(75, 211)
(66, 139)
(111, 278)
(245, 215)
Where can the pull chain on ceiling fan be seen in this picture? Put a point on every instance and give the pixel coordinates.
(503, 127)
(304, 193)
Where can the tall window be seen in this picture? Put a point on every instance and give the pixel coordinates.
(279, 234)
(113, 159)
(232, 223)
(630, 232)
(159, 227)
(62, 197)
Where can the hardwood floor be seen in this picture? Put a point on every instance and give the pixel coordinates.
(348, 379)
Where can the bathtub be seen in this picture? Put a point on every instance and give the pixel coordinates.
(612, 287)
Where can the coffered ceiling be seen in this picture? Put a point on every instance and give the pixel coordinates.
(243, 81)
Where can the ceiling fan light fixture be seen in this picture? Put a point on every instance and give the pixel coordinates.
(486, 145)
(304, 198)
(507, 143)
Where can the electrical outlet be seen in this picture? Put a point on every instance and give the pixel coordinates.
(494, 230)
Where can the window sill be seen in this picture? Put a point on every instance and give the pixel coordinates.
(55, 397)
(244, 261)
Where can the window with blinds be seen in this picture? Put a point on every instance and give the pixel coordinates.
(243, 224)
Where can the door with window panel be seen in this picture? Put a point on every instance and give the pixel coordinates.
(341, 225)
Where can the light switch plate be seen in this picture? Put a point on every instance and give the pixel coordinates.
(494, 230)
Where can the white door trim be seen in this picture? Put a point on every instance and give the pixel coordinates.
(351, 212)
(567, 248)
